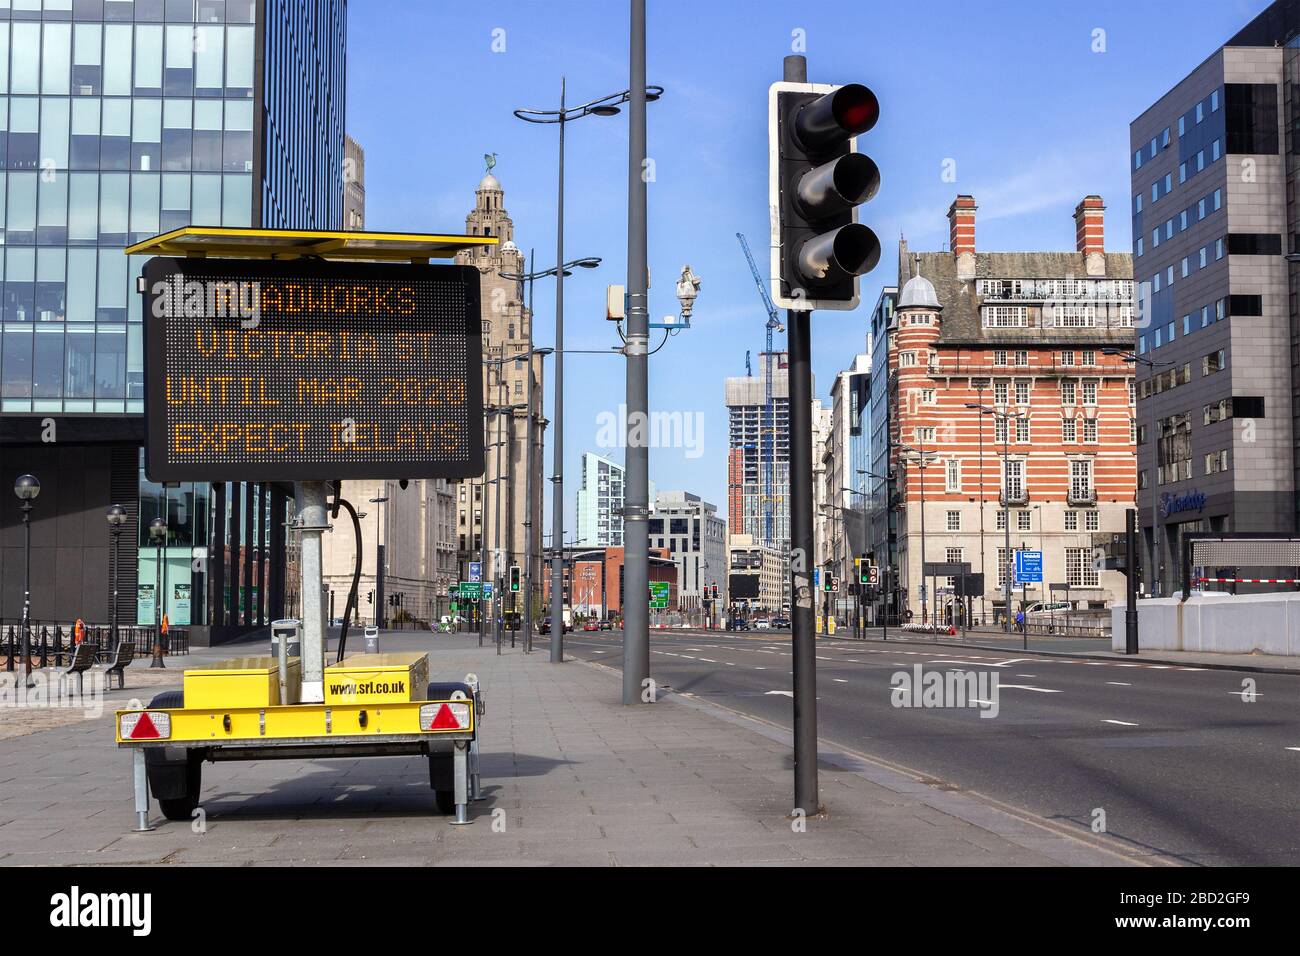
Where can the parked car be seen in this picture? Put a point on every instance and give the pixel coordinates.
(544, 626)
(1044, 607)
(762, 624)
(781, 623)
(591, 624)
(607, 625)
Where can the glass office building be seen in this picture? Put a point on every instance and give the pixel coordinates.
(122, 119)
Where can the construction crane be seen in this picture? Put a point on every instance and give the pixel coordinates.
(767, 441)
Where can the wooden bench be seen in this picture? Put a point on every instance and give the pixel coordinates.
(125, 655)
(83, 659)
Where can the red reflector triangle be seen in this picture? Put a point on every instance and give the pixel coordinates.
(145, 729)
(445, 720)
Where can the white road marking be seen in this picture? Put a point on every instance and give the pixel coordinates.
(1026, 675)
(839, 680)
(1293, 748)
(780, 693)
(1122, 723)
(1039, 690)
(729, 664)
(708, 660)
(1242, 693)
(688, 657)
(760, 668)
(1118, 683)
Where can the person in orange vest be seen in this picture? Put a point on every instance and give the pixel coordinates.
(79, 631)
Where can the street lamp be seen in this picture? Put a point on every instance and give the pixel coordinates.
(116, 518)
(1154, 441)
(26, 487)
(605, 106)
(1006, 418)
(157, 534)
(923, 460)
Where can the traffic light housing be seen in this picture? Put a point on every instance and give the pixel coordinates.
(864, 569)
(370, 597)
(516, 578)
(817, 181)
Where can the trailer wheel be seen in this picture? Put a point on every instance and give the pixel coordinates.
(442, 780)
(174, 783)
(446, 801)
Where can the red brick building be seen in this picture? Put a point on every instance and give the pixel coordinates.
(1023, 335)
(593, 579)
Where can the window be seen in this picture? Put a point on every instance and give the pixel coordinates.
(1013, 479)
(1067, 359)
(1024, 521)
(1090, 430)
(1139, 246)
(1216, 461)
(1169, 182)
(1247, 406)
(1187, 325)
(999, 356)
(1069, 433)
(1080, 572)
(952, 556)
(1182, 125)
(1218, 199)
(1132, 392)
(1200, 210)
(1022, 393)
(1137, 204)
(927, 396)
(1214, 362)
(1072, 521)
(1081, 478)
(999, 430)
(1203, 257)
(1214, 151)
(1089, 357)
(924, 433)
(954, 520)
(1245, 305)
(1022, 358)
(952, 475)
(1000, 392)
(906, 359)
(1005, 317)
(1215, 412)
(1002, 520)
(1089, 393)
(1067, 391)
(1218, 248)
(1022, 431)
(1182, 173)
(1004, 566)
(1186, 267)
(1254, 244)
(1214, 102)
(1091, 521)
(1155, 238)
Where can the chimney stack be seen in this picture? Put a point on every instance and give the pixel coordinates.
(1090, 233)
(961, 219)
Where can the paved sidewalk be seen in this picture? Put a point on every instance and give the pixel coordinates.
(570, 777)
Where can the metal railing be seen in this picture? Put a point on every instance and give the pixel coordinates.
(53, 644)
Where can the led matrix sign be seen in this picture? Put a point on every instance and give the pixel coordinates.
(311, 370)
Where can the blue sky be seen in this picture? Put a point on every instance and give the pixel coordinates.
(1032, 118)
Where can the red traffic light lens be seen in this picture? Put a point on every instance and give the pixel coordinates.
(856, 108)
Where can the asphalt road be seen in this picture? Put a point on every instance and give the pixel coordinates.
(1179, 759)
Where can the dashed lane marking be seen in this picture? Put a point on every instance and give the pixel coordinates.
(1118, 683)
(1122, 723)
(1037, 690)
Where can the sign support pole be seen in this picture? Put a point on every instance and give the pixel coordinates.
(311, 525)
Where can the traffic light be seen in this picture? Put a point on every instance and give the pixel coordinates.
(715, 591)
(515, 578)
(864, 569)
(370, 597)
(817, 179)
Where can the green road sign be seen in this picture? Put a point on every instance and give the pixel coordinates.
(455, 606)
(471, 590)
(659, 595)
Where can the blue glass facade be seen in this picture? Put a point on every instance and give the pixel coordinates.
(119, 120)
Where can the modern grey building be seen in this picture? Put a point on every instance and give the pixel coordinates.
(696, 539)
(124, 120)
(1215, 207)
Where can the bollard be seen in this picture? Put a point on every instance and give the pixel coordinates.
(58, 647)
(9, 661)
(44, 660)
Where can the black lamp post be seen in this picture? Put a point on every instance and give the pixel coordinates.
(158, 534)
(27, 488)
(116, 518)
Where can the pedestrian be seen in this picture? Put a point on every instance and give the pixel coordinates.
(79, 631)
(1020, 620)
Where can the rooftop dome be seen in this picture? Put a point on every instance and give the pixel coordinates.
(918, 293)
(508, 248)
(489, 182)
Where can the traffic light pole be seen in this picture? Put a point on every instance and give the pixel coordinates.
(803, 638)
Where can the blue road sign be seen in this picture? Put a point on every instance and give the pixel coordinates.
(476, 571)
(487, 591)
(1029, 567)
